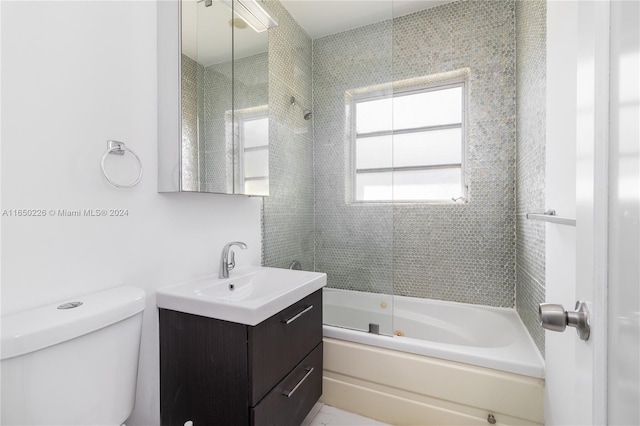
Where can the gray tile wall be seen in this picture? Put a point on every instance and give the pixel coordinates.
(217, 165)
(530, 187)
(354, 242)
(250, 80)
(288, 231)
(192, 118)
(465, 252)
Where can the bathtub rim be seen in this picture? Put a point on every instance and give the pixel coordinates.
(521, 357)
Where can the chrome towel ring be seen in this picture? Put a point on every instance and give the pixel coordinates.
(118, 148)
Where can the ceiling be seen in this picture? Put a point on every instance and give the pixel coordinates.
(319, 18)
(206, 34)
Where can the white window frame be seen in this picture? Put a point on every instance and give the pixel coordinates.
(242, 116)
(364, 96)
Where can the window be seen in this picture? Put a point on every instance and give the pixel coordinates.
(253, 137)
(409, 147)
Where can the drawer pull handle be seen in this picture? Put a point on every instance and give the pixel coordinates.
(289, 393)
(298, 315)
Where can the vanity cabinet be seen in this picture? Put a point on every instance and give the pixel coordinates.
(215, 372)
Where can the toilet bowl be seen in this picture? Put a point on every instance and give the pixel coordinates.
(73, 362)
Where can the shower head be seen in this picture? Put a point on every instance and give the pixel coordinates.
(307, 114)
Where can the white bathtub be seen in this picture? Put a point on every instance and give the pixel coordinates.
(472, 334)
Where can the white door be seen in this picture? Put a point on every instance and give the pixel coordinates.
(624, 216)
(576, 182)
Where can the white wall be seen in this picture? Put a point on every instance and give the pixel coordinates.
(75, 74)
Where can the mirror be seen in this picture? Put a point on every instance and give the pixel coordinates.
(250, 101)
(223, 103)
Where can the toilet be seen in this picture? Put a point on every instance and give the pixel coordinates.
(73, 362)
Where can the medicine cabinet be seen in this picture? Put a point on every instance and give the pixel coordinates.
(213, 91)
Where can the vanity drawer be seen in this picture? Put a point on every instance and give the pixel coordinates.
(292, 399)
(277, 344)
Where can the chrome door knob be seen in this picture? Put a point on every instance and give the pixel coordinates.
(553, 317)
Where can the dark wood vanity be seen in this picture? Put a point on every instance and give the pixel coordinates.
(215, 372)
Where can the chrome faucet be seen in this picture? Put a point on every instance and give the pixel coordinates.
(228, 258)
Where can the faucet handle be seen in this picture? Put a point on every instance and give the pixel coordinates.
(232, 260)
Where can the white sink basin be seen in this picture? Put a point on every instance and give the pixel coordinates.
(249, 296)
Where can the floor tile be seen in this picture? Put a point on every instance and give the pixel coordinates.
(331, 416)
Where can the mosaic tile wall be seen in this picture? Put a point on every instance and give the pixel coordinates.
(288, 217)
(217, 152)
(457, 252)
(530, 186)
(354, 242)
(251, 89)
(192, 115)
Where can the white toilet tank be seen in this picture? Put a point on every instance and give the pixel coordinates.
(73, 366)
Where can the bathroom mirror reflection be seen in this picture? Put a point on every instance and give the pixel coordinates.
(225, 113)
